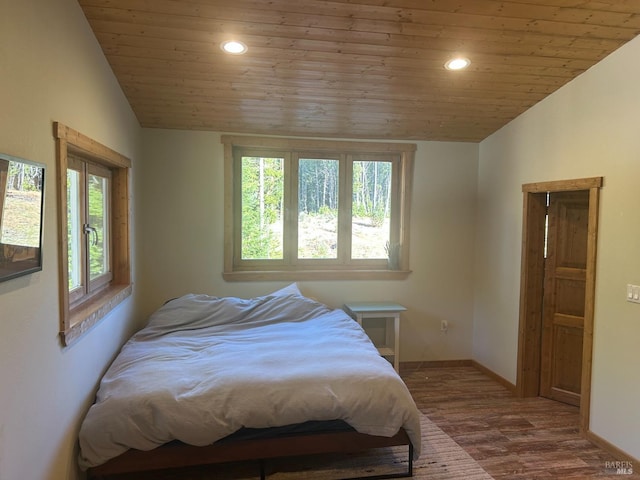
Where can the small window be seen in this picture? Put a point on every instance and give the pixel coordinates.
(94, 230)
(88, 228)
(310, 209)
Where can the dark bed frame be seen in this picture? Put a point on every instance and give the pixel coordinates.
(177, 454)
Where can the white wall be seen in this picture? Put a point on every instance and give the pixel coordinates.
(588, 128)
(51, 69)
(181, 239)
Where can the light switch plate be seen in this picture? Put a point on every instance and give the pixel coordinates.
(633, 293)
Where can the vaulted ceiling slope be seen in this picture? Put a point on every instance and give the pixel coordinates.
(352, 68)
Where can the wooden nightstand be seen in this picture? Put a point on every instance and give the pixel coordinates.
(390, 312)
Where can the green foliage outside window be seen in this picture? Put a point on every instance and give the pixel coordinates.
(97, 236)
(315, 208)
(372, 191)
(97, 215)
(262, 207)
(318, 204)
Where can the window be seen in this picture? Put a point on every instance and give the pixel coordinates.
(312, 209)
(88, 228)
(93, 186)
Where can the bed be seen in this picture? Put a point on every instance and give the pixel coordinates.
(214, 379)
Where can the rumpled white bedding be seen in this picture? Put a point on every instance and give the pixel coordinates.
(204, 367)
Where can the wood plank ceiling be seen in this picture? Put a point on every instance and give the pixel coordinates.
(351, 68)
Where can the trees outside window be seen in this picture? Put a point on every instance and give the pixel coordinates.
(88, 228)
(316, 209)
(262, 207)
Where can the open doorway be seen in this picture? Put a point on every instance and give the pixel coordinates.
(569, 282)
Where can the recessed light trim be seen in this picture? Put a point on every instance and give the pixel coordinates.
(457, 63)
(233, 47)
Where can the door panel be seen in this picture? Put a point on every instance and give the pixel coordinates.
(569, 296)
(567, 360)
(564, 296)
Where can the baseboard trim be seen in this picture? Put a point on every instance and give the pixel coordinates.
(406, 366)
(615, 452)
(434, 364)
(491, 374)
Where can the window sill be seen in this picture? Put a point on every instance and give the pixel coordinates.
(310, 275)
(89, 313)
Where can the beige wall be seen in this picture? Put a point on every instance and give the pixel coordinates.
(181, 238)
(51, 69)
(588, 128)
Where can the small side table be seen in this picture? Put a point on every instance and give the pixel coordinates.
(384, 310)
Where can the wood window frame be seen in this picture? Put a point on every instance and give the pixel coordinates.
(304, 269)
(77, 318)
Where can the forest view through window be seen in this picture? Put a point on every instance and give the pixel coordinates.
(318, 207)
(307, 210)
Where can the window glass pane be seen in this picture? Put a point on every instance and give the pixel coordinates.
(318, 208)
(74, 229)
(262, 208)
(371, 209)
(99, 225)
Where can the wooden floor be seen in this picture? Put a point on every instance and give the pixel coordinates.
(510, 438)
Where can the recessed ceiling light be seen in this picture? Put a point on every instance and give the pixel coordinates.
(457, 63)
(234, 47)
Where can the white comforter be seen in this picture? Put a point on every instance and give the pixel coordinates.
(205, 367)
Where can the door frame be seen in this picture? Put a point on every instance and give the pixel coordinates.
(531, 287)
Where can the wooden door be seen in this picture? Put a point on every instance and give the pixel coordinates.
(565, 275)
